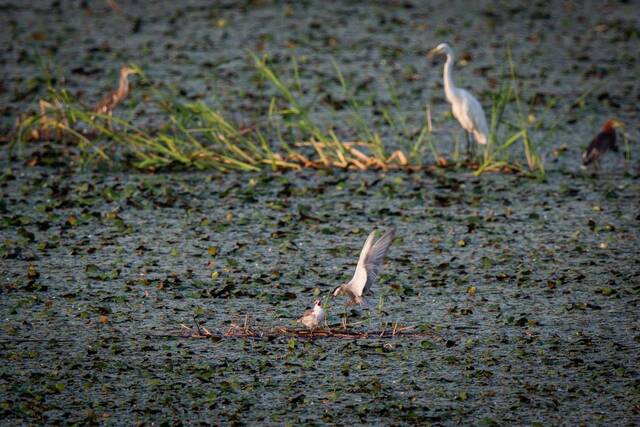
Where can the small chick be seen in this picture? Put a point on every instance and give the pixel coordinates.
(312, 318)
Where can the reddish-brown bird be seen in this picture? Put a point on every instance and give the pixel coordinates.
(113, 98)
(603, 142)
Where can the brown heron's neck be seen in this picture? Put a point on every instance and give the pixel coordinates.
(123, 86)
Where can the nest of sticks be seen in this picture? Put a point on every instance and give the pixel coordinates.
(245, 331)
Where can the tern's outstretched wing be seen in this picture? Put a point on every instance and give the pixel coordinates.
(366, 249)
(376, 255)
(371, 261)
(359, 279)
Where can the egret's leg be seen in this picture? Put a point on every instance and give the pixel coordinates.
(474, 146)
(466, 135)
(468, 145)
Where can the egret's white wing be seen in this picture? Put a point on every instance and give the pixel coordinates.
(373, 259)
(475, 116)
(359, 279)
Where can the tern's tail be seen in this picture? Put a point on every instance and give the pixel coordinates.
(363, 302)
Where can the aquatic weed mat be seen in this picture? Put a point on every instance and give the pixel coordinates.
(533, 286)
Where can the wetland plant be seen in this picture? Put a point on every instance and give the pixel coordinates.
(497, 153)
(194, 135)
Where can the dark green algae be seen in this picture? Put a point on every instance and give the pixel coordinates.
(98, 279)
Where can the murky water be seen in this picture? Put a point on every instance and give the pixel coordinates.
(530, 289)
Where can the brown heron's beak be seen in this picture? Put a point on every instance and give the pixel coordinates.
(432, 53)
(617, 123)
(130, 70)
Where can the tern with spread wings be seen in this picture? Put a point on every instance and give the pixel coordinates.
(368, 268)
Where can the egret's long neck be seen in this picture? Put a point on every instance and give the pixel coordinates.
(450, 89)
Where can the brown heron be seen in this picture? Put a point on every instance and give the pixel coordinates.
(115, 97)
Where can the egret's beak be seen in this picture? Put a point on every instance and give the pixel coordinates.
(433, 52)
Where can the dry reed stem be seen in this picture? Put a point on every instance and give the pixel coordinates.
(399, 155)
(360, 155)
(359, 165)
(343, 161)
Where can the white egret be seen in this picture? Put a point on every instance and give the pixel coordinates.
(465, 107)
(367, 269)
(312, 318)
